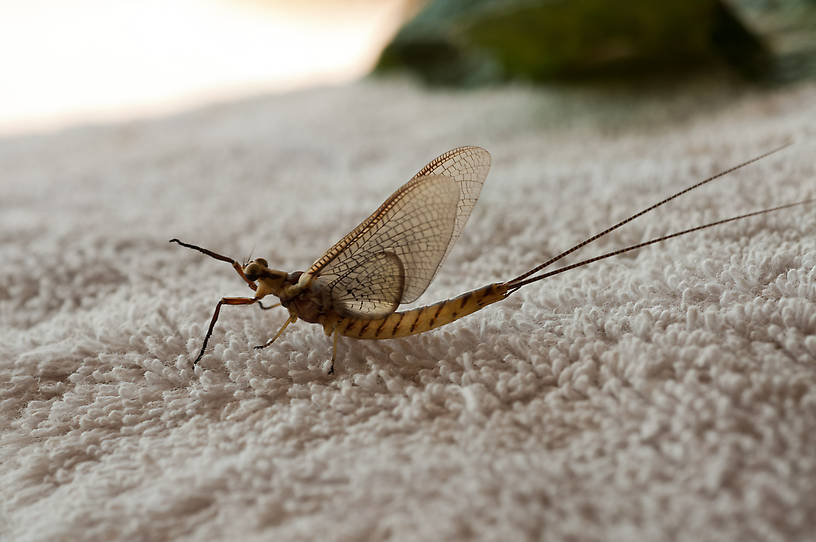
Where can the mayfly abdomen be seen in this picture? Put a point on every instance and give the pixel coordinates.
(419, 320)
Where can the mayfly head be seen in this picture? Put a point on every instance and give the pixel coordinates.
(256, 269)
(270, 281)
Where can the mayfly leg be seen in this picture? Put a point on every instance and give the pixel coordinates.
(334, 350)
(224, 301)
(211, 254)
(292, 319)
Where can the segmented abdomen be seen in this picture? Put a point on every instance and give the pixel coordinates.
(402, 324)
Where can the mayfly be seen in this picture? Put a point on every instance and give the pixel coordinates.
(354, 289)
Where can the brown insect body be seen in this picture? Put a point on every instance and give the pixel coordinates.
(308, 305)
(355, 288)
(313, 304)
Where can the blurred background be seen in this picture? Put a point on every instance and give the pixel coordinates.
(87, 61)
(99, 60)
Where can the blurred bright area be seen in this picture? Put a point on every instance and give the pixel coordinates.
(100, 60)
(86, 61)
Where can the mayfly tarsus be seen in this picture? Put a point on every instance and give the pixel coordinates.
(390, 259)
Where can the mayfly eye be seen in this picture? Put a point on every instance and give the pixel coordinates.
(252, 271)
(262, 262)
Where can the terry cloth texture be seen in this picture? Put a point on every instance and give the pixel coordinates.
(668, 394)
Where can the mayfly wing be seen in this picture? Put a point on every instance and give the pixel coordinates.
(373, 273)
(393, 255)
(374, 287)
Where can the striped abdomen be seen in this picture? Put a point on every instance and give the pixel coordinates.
(402, 324)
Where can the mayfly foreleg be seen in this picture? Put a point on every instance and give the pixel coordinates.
(292, 318)
(264, 307)
(211, 254)
(224, 301)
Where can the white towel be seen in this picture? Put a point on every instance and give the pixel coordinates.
(666, 394)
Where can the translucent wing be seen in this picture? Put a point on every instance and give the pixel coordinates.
(393, 258)
(416, 227)
(375, 287)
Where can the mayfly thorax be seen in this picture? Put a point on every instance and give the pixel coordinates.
(355, 288)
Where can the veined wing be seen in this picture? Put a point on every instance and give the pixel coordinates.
(392, 256)
(395, 256)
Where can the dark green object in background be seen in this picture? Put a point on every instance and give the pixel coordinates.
(467, 42)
